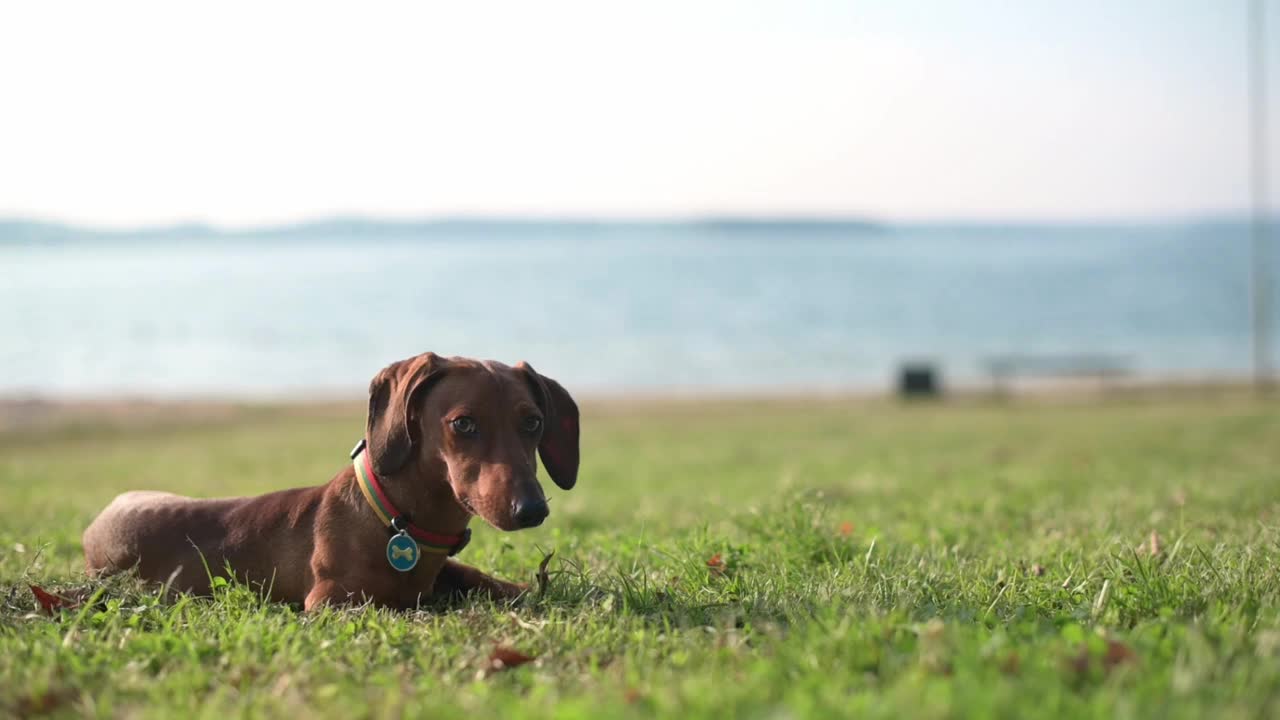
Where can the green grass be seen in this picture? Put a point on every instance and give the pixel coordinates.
(879, 560)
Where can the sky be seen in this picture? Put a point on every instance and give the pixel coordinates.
(243, 113)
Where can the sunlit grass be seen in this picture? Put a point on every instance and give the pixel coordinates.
(875, 559)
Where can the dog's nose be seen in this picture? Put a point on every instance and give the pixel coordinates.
(530, 512)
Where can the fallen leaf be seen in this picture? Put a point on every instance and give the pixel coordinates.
(43, 703)
(1079, 663)
(716, 565)
(1117, 654)
(50, 602)
(846, 529)
(543, 578)
(503, 658)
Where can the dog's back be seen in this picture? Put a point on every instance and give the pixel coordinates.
(184, 541)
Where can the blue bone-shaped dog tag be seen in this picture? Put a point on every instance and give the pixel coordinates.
(402, 552)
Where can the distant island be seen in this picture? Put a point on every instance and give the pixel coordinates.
(15, 231)
(41, 232)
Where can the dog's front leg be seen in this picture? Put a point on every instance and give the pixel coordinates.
(456, 579)
(327, 592)
(334, 593)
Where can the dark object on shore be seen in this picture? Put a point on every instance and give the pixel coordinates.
(919, 380)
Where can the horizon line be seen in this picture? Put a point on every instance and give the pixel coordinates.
(51, 225)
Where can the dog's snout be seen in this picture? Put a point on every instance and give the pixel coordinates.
(530, 512)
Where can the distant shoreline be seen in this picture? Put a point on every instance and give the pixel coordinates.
(25, 230)
(20, 230)
(29, 412)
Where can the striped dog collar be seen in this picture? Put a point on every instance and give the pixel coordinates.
(392, 518)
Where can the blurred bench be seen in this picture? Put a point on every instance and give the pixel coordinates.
(918, 379)
(1104, 368)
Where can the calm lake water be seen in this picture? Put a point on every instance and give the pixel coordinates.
(615, 307)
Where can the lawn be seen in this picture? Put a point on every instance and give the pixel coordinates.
(1114, 557)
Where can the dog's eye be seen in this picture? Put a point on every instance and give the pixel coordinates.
(531, 424)
(464, 425)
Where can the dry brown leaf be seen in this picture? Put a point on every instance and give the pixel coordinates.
(1117, 654)
(716, 565)
(1079, 663)
(543, 578)
(42, 703)
(50, 602)
(504, 658)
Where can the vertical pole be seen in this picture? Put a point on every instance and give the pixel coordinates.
(1261, 283)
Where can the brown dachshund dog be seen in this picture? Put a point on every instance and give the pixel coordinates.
(446, 439)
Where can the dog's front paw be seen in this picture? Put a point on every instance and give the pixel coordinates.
(504, 590)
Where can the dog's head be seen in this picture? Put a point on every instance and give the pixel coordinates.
(478, 424)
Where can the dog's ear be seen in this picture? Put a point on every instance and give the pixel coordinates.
(393, 393)
(559, 445)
